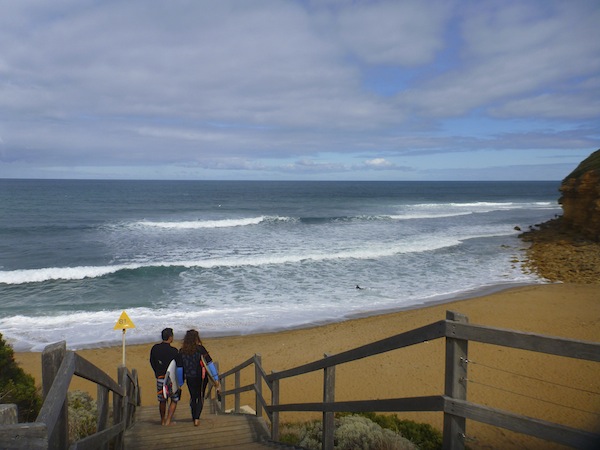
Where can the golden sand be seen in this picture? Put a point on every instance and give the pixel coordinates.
(558, 389)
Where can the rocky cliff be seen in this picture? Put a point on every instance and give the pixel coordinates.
(580, 198)
(567, 249)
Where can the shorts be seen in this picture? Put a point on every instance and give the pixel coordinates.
(159, 392)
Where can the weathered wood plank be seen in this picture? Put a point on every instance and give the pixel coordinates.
(8, 414)
(239, 367)
(98, 440)
(258, 384)
(24, 436)
(570, 348)
(426, 333)
(57, 395)
(455, 384)
(52, 358)
(239, 390)
(273, 412)
(215, 431)
(87, 370)
(328, 397)
(427, 403)
(522, 424)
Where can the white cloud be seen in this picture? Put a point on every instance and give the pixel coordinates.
(379, 163)
(209, 84)
(407, 33)
(514, 49)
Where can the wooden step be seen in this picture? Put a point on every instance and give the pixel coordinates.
(216, 431)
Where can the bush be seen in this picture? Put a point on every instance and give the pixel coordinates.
(422, 434)
(352, 432)
(16, 386)
(83, 415)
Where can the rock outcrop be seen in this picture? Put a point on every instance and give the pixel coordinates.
(556, 254)
(580, 198)
(567, 249)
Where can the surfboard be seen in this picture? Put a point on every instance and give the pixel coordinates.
(212, 380)
(208, 372)
(171, 384)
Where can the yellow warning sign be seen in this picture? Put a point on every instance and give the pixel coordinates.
(124, 322)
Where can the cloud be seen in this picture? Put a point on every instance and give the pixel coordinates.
(514, 49)
(407, 33)
(252, 86)
(379, 163)
(580, 105)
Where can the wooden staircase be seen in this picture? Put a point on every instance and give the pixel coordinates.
(216, 431)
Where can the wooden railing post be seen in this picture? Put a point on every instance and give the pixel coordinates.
(136, 389)
(328, 397)
(223, 383)
(120, 405)
(275, 402)
(237, 394)
(52, 358)
(455, 384)
(258, 384)
(130, 390)
(102, 405)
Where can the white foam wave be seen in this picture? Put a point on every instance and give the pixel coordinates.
(487, 206)
(370, 252)
(96, 329)
(441, 210)
(197, 224)
(432, 215)
(60, 273)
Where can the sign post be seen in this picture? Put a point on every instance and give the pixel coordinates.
(123, 323)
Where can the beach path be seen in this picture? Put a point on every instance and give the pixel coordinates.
(216, 431)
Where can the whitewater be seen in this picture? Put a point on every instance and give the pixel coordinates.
(248, 257)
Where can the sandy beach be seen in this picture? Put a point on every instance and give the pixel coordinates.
(559, 389)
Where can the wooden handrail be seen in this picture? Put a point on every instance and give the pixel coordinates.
(457, 332)
(49, 431)
(571, 348)
(417, 336)
(56, 397)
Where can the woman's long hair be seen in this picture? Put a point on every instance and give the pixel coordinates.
(190, 342)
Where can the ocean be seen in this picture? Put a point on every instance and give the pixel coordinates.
(241, 257)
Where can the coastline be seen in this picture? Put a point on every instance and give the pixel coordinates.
(565, 310)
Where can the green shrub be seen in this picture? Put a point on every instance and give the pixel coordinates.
(352, 432)
(83, 415)
(422, 434)
(16, 386)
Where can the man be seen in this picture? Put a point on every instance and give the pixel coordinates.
(161, 356)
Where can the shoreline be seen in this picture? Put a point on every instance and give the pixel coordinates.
(563, 310)
(440, 299)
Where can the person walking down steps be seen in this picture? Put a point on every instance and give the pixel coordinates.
(161, 356)
(198, 368)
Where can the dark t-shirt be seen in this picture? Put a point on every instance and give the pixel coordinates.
(161, 356)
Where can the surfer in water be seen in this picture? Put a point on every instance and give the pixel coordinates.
(199, 369)
(161, 356)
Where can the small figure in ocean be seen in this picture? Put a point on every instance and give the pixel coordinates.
(358, 287)
(199, 369)
(161, 356)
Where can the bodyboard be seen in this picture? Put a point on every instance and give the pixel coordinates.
(208, 373)
(171, 384)
(210, 378)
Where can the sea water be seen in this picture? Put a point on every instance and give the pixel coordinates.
(238, 257)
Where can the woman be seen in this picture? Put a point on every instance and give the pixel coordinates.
(196, 366)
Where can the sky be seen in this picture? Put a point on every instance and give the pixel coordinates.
(298, 89)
